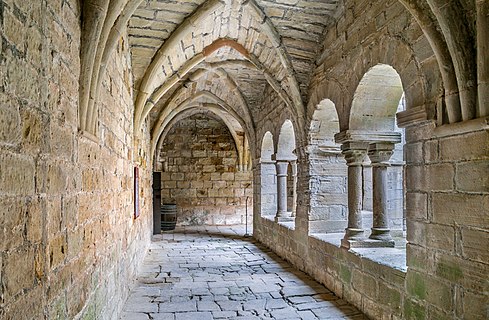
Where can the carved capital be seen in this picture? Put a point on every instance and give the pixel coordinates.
(281, 168)
(355, 157)
(380, 153)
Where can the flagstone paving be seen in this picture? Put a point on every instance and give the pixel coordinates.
(204, 273)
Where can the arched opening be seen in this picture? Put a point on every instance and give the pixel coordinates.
(327, 171)
(378, 98)
(286, 141)
(268, 178)
(199, 160)
(286, 167)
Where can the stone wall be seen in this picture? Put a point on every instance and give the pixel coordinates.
(446, 182)
(447, 221)
(68, 242)
(200, 175)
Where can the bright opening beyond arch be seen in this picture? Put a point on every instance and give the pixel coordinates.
(376, 100)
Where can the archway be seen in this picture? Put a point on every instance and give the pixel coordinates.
(286, 141)
(379, 96)
(376, 100)
(327, 171)
(286, 165)
(200, 172)
(268, 178)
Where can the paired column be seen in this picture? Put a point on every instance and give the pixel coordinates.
(282, 214)
(354, 153)
(379, 154)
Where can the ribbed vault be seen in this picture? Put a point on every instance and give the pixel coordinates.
(249, 46)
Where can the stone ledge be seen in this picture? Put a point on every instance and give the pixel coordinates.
(394, 258)
(269, 217)
(460, 128)
(414, 116)
(287, 224)
(366, 136)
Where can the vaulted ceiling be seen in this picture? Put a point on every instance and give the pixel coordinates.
(225, 53)
(232, 53)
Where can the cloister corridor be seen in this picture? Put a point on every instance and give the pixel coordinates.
(351, 136)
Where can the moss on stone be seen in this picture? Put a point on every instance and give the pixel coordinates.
(413, 310)
(416, 285)
(345, 274)
(449, 271)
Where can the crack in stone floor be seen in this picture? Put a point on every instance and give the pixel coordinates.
(203, 273)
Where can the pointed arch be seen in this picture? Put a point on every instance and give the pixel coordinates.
(232, 124)
(173, 46)
(200, 97)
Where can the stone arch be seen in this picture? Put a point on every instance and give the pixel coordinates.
(145, 102)
(232, 124)
(233, 93)
(286, 141)
(199, 159)
(183, 60)
(324, 125)
(267, 148)
(327, 171)
(372, 122)
(376, 100)
(200, 97)
(268, 179)
(330, 89)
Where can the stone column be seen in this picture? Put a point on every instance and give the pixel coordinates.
(379, 154)
(294, 187)
(282, 214)
(354, 153)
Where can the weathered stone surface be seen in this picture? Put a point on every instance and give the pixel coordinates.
(83, 100)
(237, 288)
(62, 248)
(204, 171)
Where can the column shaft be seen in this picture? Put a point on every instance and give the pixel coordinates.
(282, 213)
(355, 194)
(379, 154)
(354, 154)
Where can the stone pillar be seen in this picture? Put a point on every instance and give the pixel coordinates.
(282, 214)
(294, 187)
(379, 154)
(354, 153)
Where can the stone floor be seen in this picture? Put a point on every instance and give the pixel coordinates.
(206, 273)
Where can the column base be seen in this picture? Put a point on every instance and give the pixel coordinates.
(366, 243)
(284, 218)
(381, 234)
(353, 238)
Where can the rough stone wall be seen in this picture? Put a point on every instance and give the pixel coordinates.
(200, 173)
(68, 241)
(268, 188)
(448, 221)
(328, 193)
